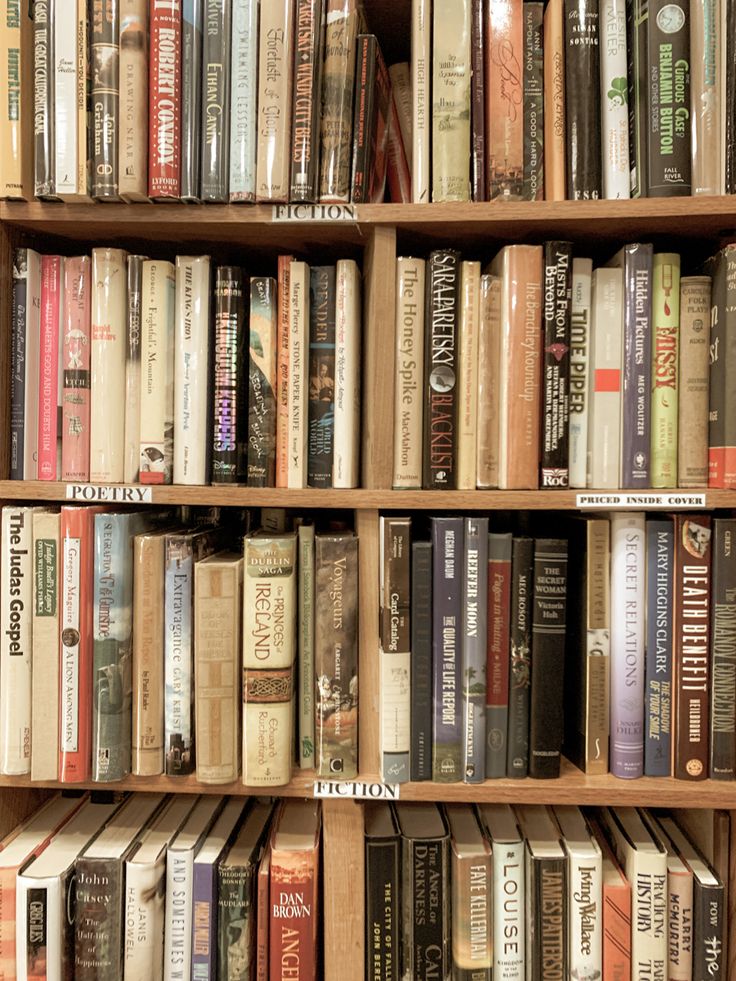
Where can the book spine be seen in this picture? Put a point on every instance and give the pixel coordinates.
(447, 746)
(107, 366)
(730, 97)
(426, 936)
(16, 93)
(192, 394)
(505, 99)
(157, 375)
(16, 623)
(440, 372)
(707, 23)
(98, 933)
(637, 366)
(555, 181)
(34, 929)
(548, 915)
(721, 430)
(145, 888)
(178, 702)
(582, 101)
(104, 53)
(262, 383)
(580, 350)
(283, 313)
(336, 656)
(229, 392)
(293, 927)
(18, 355)
(82, 102)
(477, 104)
(489, 381)
(215, 124)
(243, 95)
(395, 647)
(497, 667)
(421, 64)
(307, 86)
(723, 657)
(177, 944)
(474, 648)
(191, 96)
(45, 659)
(637, 27)
(44, 177)
(131, 462)
(336, 116)
(382, 898)
(165, 100)
(66, 79)
(467, 375)
(306, 676)
(668, 101)
(269, 651)
(364, 108)
(48, 394)
(598, 646)
(133, 101)
(204, 922)
(274, 100)
(380, 122)
(665, 348)
(556, 398)
(148, 656)
(263, 917)
(692, 587)
(235, 915)
(709, 931)
(451, 101)
(604, 415)
(348, 338)
(75, 352)
(421, 661)
(520, 655)
(548, 641)
(509, 895)
(627, 644)
(321, 421)
(533, 187)
(614, 100)
(585, 912)
(298, 407)
(692, 415)
(472, 893)
(658, 671)
(408, 404)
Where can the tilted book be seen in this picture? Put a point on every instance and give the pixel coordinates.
(276, 42)
(584, 893)
(75, 376)
(215, 96)
(616, 911)
(694, 369)
(472, 895)
(165, 101)
(133, 101)
(229, 395)
(448, 536)
(395, 647)
(132, 458)
(348, 341)
(262, 383)
(408, 402)
(192, 385)
(371, 115)
(243, 94)
(107, 366)
(665, 368)
(24, 364)
(451, 73)
(45, 658)
(474, 627)
(157, 372)
(581, 339)
(660, 557)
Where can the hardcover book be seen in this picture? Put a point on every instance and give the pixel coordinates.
(665, 369)
(421, 661)
(468, 370)
(321, 421)
(616, 911)
(45, 658)
(614, 112)
(533, 187)
(283, 314)
(395, 647)
(107, 366)
(70, 99)
(555, 183)
(132, 450)
(44, 175)
(556, 394)
(297, 387)
(24, 364)
(421, 65)
(305, 648)
(585, 908)
(679, 904)
(659, 652)
(694, 378)
(214, 128)
(489, 382)
(509, 890)
(133, 101)
(348, 341)
(408, 403)
(166, 100)
(243, 95)
(104, 55)
(497, 667)
(399, 82)
(49, 395)
(17, 84)
(582, 100)
(75, 354)
(504, 50)
(371, 121)
(157, 375)
(262, 383)
(230, 398)
(722, 411)
(581, 340)
(382, 892)
(520, 656)
(448, 536)
(440, 371)
(474, 648)
(192, 360)
(723, 653)
(472, 895)
(275, 54)
(451, 82)
(307, 89)
(606, 354)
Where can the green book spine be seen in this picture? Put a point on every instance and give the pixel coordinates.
(665, 335)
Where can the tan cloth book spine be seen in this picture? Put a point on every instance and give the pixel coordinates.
(451, 101)
(554, 105)
(148, 655)
(692, 427)
(467, 430)
(489, 379)
(275, 58)
(16, 100)
(409, 403)
(133, 106)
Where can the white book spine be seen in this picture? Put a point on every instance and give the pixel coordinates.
(421, 63)
(468, 375)
(144, 921)
(107, 364)
(409, 374)
(580, 340)
(585, 915)
(33, 355)
(243, 96)
(157, 372)
(178, 929)
(192, 369)
(648, 877)
(50, 908)
(348, 335)
(65, 98)
(45, 659)
(298, 368)
(509, 911)
(16, 610)
(606, 353)
(276, 39)
(614, 100)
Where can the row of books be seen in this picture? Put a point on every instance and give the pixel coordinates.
(126, 368)
(150, 887)
(150, 643)
(570, 99)
(226, 101)
(537, 892)
(543, 371)
(613, 645)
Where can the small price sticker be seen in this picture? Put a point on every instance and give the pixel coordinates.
(356, 789)
(633, 499)
(109, 493)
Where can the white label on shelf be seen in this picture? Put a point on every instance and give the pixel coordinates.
(112, 492)
(632, 499)
(356, 789)
(314, 212)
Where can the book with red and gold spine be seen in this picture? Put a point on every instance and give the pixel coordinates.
(504, 47)
(282, 370)
(164, 108)
(48, 382)
(75, 369)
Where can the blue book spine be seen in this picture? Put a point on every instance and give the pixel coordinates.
(447, 629)
(660, 545)
(474, 653)
(178, 666)
(204, 922)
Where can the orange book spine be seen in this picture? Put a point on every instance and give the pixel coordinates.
(505, 99)
(282, 372)
(554, 101)
(262, 916)
(293, 925)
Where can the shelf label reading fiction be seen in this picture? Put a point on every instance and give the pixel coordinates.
(112, 492)
(314, 212)
(632, 499)
(356, 789)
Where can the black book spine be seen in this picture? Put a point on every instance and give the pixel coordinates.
(105, 51)
(425, 908)
(730, 69)
(421, 661)
(191, 97)
(637, 377)
(556, 394)
(533, 101)
(307, 88)
(722, 408)
(261, 383)
(215, 125)
(668, 97)
(522, 599)
(447, 591)
(98, 937)
(230, 415)
(365, 89)
(37, 932)
(44, 141)
(477, 104)
(723, 652)
(548, 905)
(18, 365)
(382, 909)
(440, 372)
(637, 21)
(549, 625)
(709, 931)
(582, 100)
(321, 437)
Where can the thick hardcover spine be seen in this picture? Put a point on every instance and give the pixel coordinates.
(474, 648)
(547, 917)
(99, 931)
(606, 353)
(348, 343)
(585, 911)
(75, 352)
(243, 96)
(722, 411)
(692, 414)
(19, 354)
(336, 115)
(555, 183)
(131, 462)
(215, 123)
(262, 383)
(421, 661)
(556, 397)
(409, 373)
(668, 100)
(104, 54)
(293, 934)
(283, 313)
(165, 100)
(658, 669)
(298, 405)
(707, 26)
(709, 928)
(192, 358)
(274, 100)
(305, 648)
(723, 653)
(321, 422)
(614, 100)
(426, 930)
(52, 273)
(477, 104)
(472, 913)
(533, 188)
(107, 366)
(504, 46)
(148, 656)
(157, 377)
(451, 100)
(307, 88)
(691, 628)
(16, 98)
(133, 101)
(497, 667)
(582, 101)
(468, 341)
(421, 65)
(581, 339)
(235, 918)
(16, 623)
(395, 649)
(447, 582)
(382, 898)
(44, 179)
(229, 391)
(191, 95)
(45, 660)
(489, 382)
(665, 356)
(509, 881)
(520, 656)
(440, 372)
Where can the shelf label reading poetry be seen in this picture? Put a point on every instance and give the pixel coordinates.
(356, 789)
(314, 212)
(117, 493)
(634, 499)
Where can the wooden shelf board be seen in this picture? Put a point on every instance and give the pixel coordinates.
(301, 785)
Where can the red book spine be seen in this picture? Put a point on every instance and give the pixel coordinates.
(75, 644)
(497, 664)
(293, 928)
(75, 366)
(164, 107)
(262, 916)
(398, 174)
(48, 381)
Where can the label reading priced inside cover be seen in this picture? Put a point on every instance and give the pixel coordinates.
(314, 212)
(356, 789)
(632, 499)
(112, 492)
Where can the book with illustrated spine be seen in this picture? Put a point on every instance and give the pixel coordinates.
(408, 403)
(305, 649)
(45, 658)
(395, 647)
(75, 353)
(133, 101)
(165, 101)
(49, 395)
(614, 94)
(694, 372)
(665, 368)
(16, 97)
(24, 357)
(107, 366)
(262, 383)
(298, 375)
(472, 895)
(131, 463)
(556, 370)
(585, 908)
(243, 94)
(230, 412)
(215, 97)
(307, 90)
(504, 52)
(192, 354)
(276, 41)
(451, 74)
(581, 340)
(348, 347)
(321, 433)
(157, 372)
(105, 53)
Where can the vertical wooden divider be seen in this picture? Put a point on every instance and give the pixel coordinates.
(366, 527)
(343, 872)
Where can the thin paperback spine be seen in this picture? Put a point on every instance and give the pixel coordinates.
(497, 668)
(723, 656)
(614, 100)
(730, 99)
(105, 51)
(477, 104)
(722, 411)
(421, 661)
(533, 187)
(157, 376)
(19, 353)
(133, 101)
(75, 370)
(44, 181)
(408, 402)
(580, 344)
(306, 91)
(215, 123)
(556, 399)
(395, 647)
(659, 660)
(243, 95)
(262, 383)
(48, 382)
(440, 372)
(447, 748)
(665, 356)
(348, 342)
(468, 369)
(637, 25)
(229, 392)
(192, 389)
(474, 649)
(165, 100)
